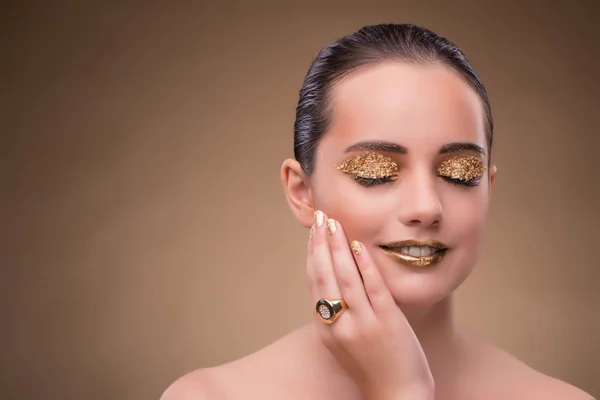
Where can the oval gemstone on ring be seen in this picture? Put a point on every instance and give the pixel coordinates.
(324, 311)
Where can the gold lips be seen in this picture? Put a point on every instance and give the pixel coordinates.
(393, 251)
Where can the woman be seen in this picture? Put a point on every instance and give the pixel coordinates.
(393, 175)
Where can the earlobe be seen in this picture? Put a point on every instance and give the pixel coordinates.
(297, 191)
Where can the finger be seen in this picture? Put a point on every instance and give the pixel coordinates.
(323, 278)
(309, 266)
(346, 271)
(378, 293)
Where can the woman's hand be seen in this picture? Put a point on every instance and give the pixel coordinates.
(371, 339)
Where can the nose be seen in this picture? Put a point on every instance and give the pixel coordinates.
(420, 203)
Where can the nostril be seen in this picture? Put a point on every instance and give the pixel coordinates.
(420, 222)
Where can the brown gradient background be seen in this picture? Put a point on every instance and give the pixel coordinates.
(146, 231)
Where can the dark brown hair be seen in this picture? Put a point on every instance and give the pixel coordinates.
(370, 45)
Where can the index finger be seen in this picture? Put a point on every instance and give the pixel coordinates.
(346, 271)
(321, 277)
(377, 291)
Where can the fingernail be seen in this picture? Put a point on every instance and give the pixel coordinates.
(331, 227)
(319, 218)
(356, 247)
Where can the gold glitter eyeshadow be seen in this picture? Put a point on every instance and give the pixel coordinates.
(369, 165)
(464, 168)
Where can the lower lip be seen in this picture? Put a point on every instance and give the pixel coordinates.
(420, 262)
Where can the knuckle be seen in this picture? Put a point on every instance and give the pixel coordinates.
(320, 277)
(376, 292)
(345, 280)
(344, 336)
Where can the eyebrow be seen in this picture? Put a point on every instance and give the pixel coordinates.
(453, 147)
(378, 145)
(396, 148)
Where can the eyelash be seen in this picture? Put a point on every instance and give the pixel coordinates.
(469, 183)
(369, 182)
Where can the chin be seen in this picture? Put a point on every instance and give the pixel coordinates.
(414, 293)
(427, 286)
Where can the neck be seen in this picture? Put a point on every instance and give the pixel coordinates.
(433, 324)
(440, 337)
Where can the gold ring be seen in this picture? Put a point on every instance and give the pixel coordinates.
(329, 310)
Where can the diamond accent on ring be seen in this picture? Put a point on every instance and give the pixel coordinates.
(324, 311)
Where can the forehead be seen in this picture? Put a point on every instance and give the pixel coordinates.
(413, 105)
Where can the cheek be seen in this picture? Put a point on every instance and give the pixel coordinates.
(465, 216)
(361, 212)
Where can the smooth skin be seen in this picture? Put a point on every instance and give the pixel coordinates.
(365, 341)
(398, 339)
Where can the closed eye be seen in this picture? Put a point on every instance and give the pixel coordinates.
(456, 181)
(368, 182)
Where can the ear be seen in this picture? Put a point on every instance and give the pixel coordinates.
(493, 171)
(297, 192)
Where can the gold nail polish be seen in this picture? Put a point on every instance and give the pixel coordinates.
(356, 247)
(319, 218)
(331, 227)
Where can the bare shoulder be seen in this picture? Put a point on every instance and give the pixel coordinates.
(273, 372)
(545, 387)
(200, 384)
(502, 375)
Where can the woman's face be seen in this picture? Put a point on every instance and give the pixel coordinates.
(428, 182)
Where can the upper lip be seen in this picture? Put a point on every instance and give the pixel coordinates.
(415, 243)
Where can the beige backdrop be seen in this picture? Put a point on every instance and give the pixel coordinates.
(146, 230)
